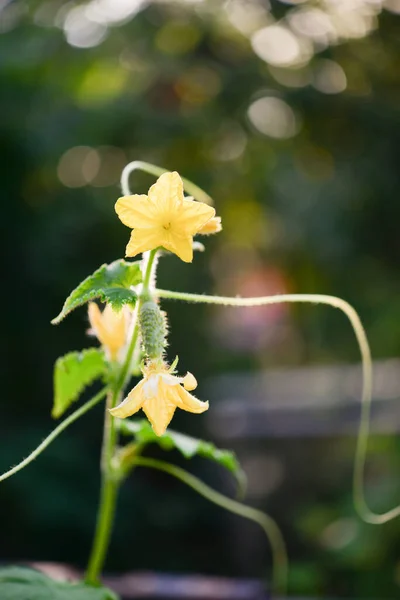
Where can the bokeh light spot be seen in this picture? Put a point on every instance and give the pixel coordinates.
(230, 142)
(278, 46)
(273, 117)
(313, 23)
(353, 22)
(82, 32)
(114, 11)
(329, 77)
(265, 474)
(78, 166)
(291, 78)
(340, 533)
(11, 15)
(393, 6)
(248, 16)
(113, 160)
(91, 165)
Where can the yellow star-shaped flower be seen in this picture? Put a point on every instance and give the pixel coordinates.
(110, 328)
(164, 218)
(159, 394)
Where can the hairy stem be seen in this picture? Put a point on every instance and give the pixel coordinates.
(272, 531)
(360, 502)
(125, 371)
(55, 433)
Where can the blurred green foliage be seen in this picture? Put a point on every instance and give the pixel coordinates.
(312, 208)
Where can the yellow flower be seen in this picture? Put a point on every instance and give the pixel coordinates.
(159, 394)
(109, 327)
(164, 218)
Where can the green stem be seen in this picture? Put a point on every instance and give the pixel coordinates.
(108, 503)
(55, 433)
(191, 188)
(110, 481)
(280, 562)
(108, 496)
(360, 456)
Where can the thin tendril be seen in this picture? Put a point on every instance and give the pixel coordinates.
(52, 436)
(272, 531)
(137, 165)
(359, 499)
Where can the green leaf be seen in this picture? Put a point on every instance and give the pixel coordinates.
(110, 283)
(186, 445)
(18, 583)
(72, 373)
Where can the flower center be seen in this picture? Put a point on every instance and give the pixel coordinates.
(150, 387)
(167, 226)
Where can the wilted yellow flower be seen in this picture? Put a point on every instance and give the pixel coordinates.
(109, 327)
(159, 394)
(164, 218)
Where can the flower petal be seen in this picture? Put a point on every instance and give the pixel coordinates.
(214, 225)
(193, 216)
(180, 245)
(136, 211)
(159, 409)
(142, 240)
(190, 403)
(169, 379)
(167, 192)
(189, 382)
(115, 327)
(132, 403)
(94, 314)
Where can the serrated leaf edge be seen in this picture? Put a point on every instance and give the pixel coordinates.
(94, 294)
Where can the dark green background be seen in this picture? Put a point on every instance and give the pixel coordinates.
(317, 213)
